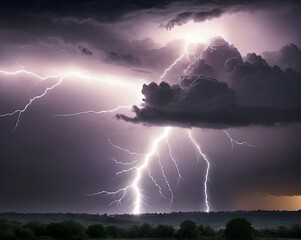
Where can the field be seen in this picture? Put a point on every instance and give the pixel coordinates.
(217, 220)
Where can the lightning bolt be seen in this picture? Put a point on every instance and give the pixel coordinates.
(125, 150)
(174, 161)
(166, 180)
(20, 111)
(91, 111)
(233, 141)
(156, 184)
(135, 183)
(139, 170)
(134, 168)
(199, 150)
(61, 78)
(176, 61)
(17, 72)
(185, 52)
(147, 158)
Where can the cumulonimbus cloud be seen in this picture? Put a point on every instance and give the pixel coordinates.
(208, 10)
(247, 92)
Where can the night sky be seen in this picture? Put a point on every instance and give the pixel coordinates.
(217, 69)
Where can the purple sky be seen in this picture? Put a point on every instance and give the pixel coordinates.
(238, 70)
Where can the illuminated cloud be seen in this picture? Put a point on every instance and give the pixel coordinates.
(288, 57)
(250, 93)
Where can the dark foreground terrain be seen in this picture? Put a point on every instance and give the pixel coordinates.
(241, 225)
(258, 219)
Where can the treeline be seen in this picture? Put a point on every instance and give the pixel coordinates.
(238, 229)
(280, 232)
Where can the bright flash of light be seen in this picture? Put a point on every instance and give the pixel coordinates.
(134, 185)
(199, 150)
(189, 40)
(149, 155)
(196, 39)
(17, 72)
(233, 141)
(61, 77)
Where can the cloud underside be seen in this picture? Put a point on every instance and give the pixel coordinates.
(233, 116)
(220, 89)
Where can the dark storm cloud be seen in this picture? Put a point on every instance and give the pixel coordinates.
(114, 10)
(258, 84)
(222, 114)
(252, 93)
(84, 50)
(98, 24)
(184, 17)
(105, 11)
(207, 10)
(124, 60)
(103, 24)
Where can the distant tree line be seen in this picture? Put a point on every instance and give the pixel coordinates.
(236, 229)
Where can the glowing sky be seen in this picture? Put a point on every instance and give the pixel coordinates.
(110, 54)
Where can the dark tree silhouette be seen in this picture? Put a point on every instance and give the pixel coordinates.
(239, 229)
(188, 230)
(146, 230)
(96, 231)
(206, 231)
(67, 230)
(39, 229)
(24, 234)
(164, 231)
(113, 232)
(7, 230)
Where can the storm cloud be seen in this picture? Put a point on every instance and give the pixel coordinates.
(184, 17)
(288, 57)
(214, 9)
(250, 93)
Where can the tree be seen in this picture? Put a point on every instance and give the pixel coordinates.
(39, 229)
(164, 231)
(296, 231)
(146, 230)
(24, 234)
(134, 231)
(206, 231)
(67, 230)
(112, 231)
(188, 230)
(7, 230)
(96, 231)
(239, 229)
